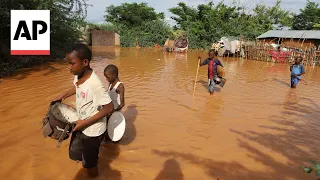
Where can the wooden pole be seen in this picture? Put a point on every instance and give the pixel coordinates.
(303, 42)
(246, 49)
(195, 82)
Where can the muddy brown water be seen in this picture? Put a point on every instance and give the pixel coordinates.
(256, 127)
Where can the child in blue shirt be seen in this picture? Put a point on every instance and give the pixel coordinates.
(297, 69)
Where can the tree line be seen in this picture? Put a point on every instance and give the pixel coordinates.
(139, 24)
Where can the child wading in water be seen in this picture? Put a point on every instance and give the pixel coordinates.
(93, 104)
(213, 64)
(297, 69)
(115, 89)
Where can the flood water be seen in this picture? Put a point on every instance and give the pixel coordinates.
(255, 127)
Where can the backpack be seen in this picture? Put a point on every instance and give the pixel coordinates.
(57, 124)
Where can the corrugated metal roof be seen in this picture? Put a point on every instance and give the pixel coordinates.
(296, 34)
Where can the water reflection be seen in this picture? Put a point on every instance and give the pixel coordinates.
(255, 127)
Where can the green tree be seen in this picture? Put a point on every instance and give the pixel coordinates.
(208, 22)
(146, 35)
(131, 14)
(308, 18)
(153, 32)
(302, 22)
(138, 24)
(266, 18)
(316, 26)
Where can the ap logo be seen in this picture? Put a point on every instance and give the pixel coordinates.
(30, 32)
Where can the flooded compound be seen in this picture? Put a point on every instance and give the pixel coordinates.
(255, 127)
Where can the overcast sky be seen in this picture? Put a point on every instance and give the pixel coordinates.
(96, 11)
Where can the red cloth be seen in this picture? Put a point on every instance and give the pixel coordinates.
(210, 69)
(279, 56)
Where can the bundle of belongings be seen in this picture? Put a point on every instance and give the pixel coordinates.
(182, 44)
(179, 45)
(57, 123)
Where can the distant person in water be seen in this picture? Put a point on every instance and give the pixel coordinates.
(213, 62)
(115, 89)
(297, 69)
